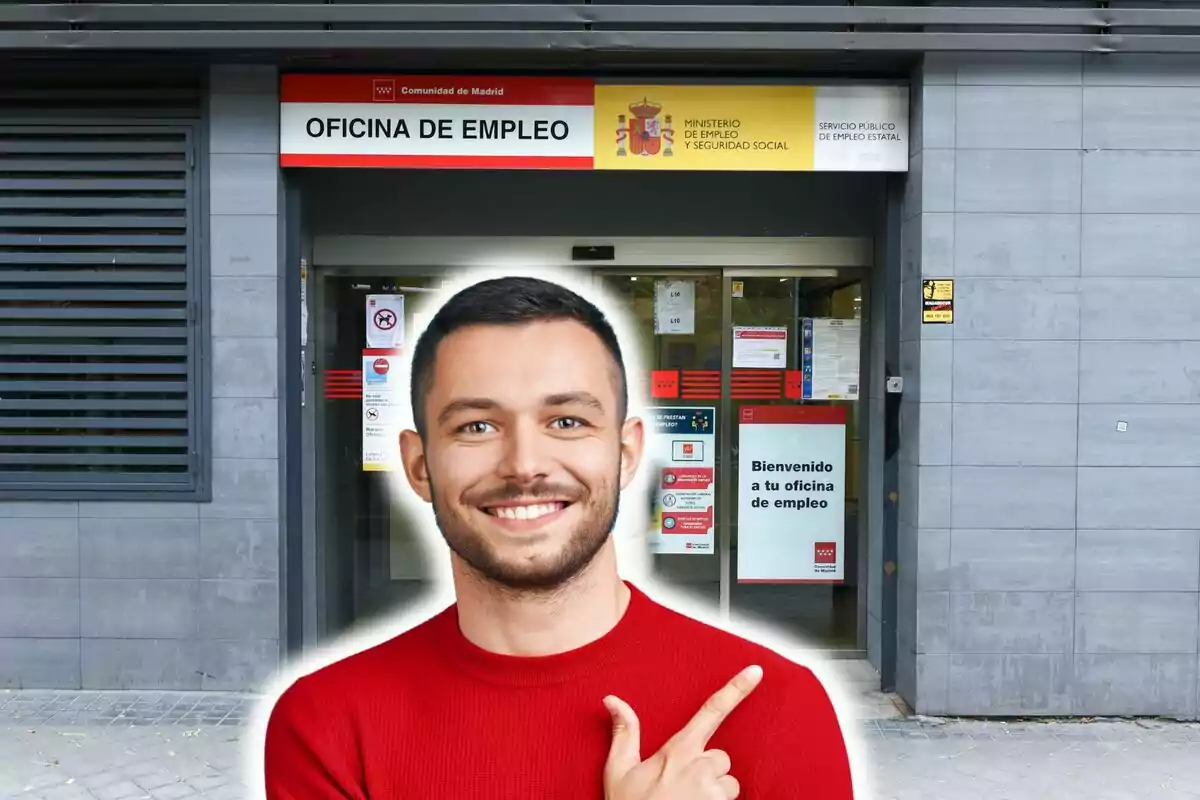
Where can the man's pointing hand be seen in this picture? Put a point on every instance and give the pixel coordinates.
(683, 769)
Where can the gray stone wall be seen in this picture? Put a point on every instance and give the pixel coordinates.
(1051, 478)
(125, 595)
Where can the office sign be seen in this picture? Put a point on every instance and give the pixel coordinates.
(435, 122)
(480, 122)
(791, 494)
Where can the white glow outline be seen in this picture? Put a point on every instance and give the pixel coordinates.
(633, 557)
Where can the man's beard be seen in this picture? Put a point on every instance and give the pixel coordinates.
(585, 542)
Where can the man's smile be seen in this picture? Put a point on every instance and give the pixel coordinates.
(526, 515)
(526, 510)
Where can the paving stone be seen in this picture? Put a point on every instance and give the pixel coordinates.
(203, 783)
(122, 790)
(68, 791)
(156, 779)
(173, 791)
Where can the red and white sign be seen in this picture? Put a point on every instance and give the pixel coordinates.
(436, 122)
(687, 523)
(383, 400)
(791, 494)
(760, 348)
(678, 479)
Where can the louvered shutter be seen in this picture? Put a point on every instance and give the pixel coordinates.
(100, 353)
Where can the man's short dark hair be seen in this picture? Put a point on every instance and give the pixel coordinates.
(509, 301)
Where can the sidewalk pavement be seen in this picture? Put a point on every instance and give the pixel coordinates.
(181, 745)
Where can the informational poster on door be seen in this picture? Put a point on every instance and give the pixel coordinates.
(684, 443)
(829, 358)
(675, 307)
(791, 494)
(759, 348)
(385, 320)
(383, 400)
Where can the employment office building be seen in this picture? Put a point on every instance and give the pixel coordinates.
(948, 255)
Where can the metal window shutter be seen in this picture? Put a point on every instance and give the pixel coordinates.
(99, 356)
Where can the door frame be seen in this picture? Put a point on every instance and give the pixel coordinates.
(731, 257)
(727, 480)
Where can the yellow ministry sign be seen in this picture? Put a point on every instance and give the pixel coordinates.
(744, 128)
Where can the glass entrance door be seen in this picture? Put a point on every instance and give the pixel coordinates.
(776, 345)
(819, 320)
(368, 560)
(694, 350)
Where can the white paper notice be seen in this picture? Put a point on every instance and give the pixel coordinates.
(382, 403)
(675, 307)
(385, 320)
(830, 359)
(760, 348)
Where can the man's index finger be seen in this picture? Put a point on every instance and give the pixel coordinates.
(717, 708)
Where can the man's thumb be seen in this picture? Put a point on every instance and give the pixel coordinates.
(626, 750)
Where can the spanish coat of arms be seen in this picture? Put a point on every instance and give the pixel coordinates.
(644, 134)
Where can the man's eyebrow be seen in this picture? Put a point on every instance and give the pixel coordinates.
(573, 399)
(549, 401)
(466, 404)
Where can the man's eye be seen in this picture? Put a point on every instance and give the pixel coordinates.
(476, 427)
(568, 423)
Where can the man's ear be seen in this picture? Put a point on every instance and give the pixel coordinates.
(633, 442)
(416, 469)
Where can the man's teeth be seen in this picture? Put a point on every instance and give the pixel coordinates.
(526, 512)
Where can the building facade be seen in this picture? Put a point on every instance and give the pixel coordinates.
(182, 501)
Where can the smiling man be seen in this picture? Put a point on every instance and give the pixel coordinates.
(550, 676)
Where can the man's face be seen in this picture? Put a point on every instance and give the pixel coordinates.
(525, 455)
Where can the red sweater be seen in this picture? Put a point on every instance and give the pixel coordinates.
(427, 714)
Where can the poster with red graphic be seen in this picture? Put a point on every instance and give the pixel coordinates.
(382, 402)
(385, 320)
(791, 494)
(684, 443)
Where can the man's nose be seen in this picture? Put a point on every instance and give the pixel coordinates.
(525, 458)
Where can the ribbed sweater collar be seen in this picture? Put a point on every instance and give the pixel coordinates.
(481, 664)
